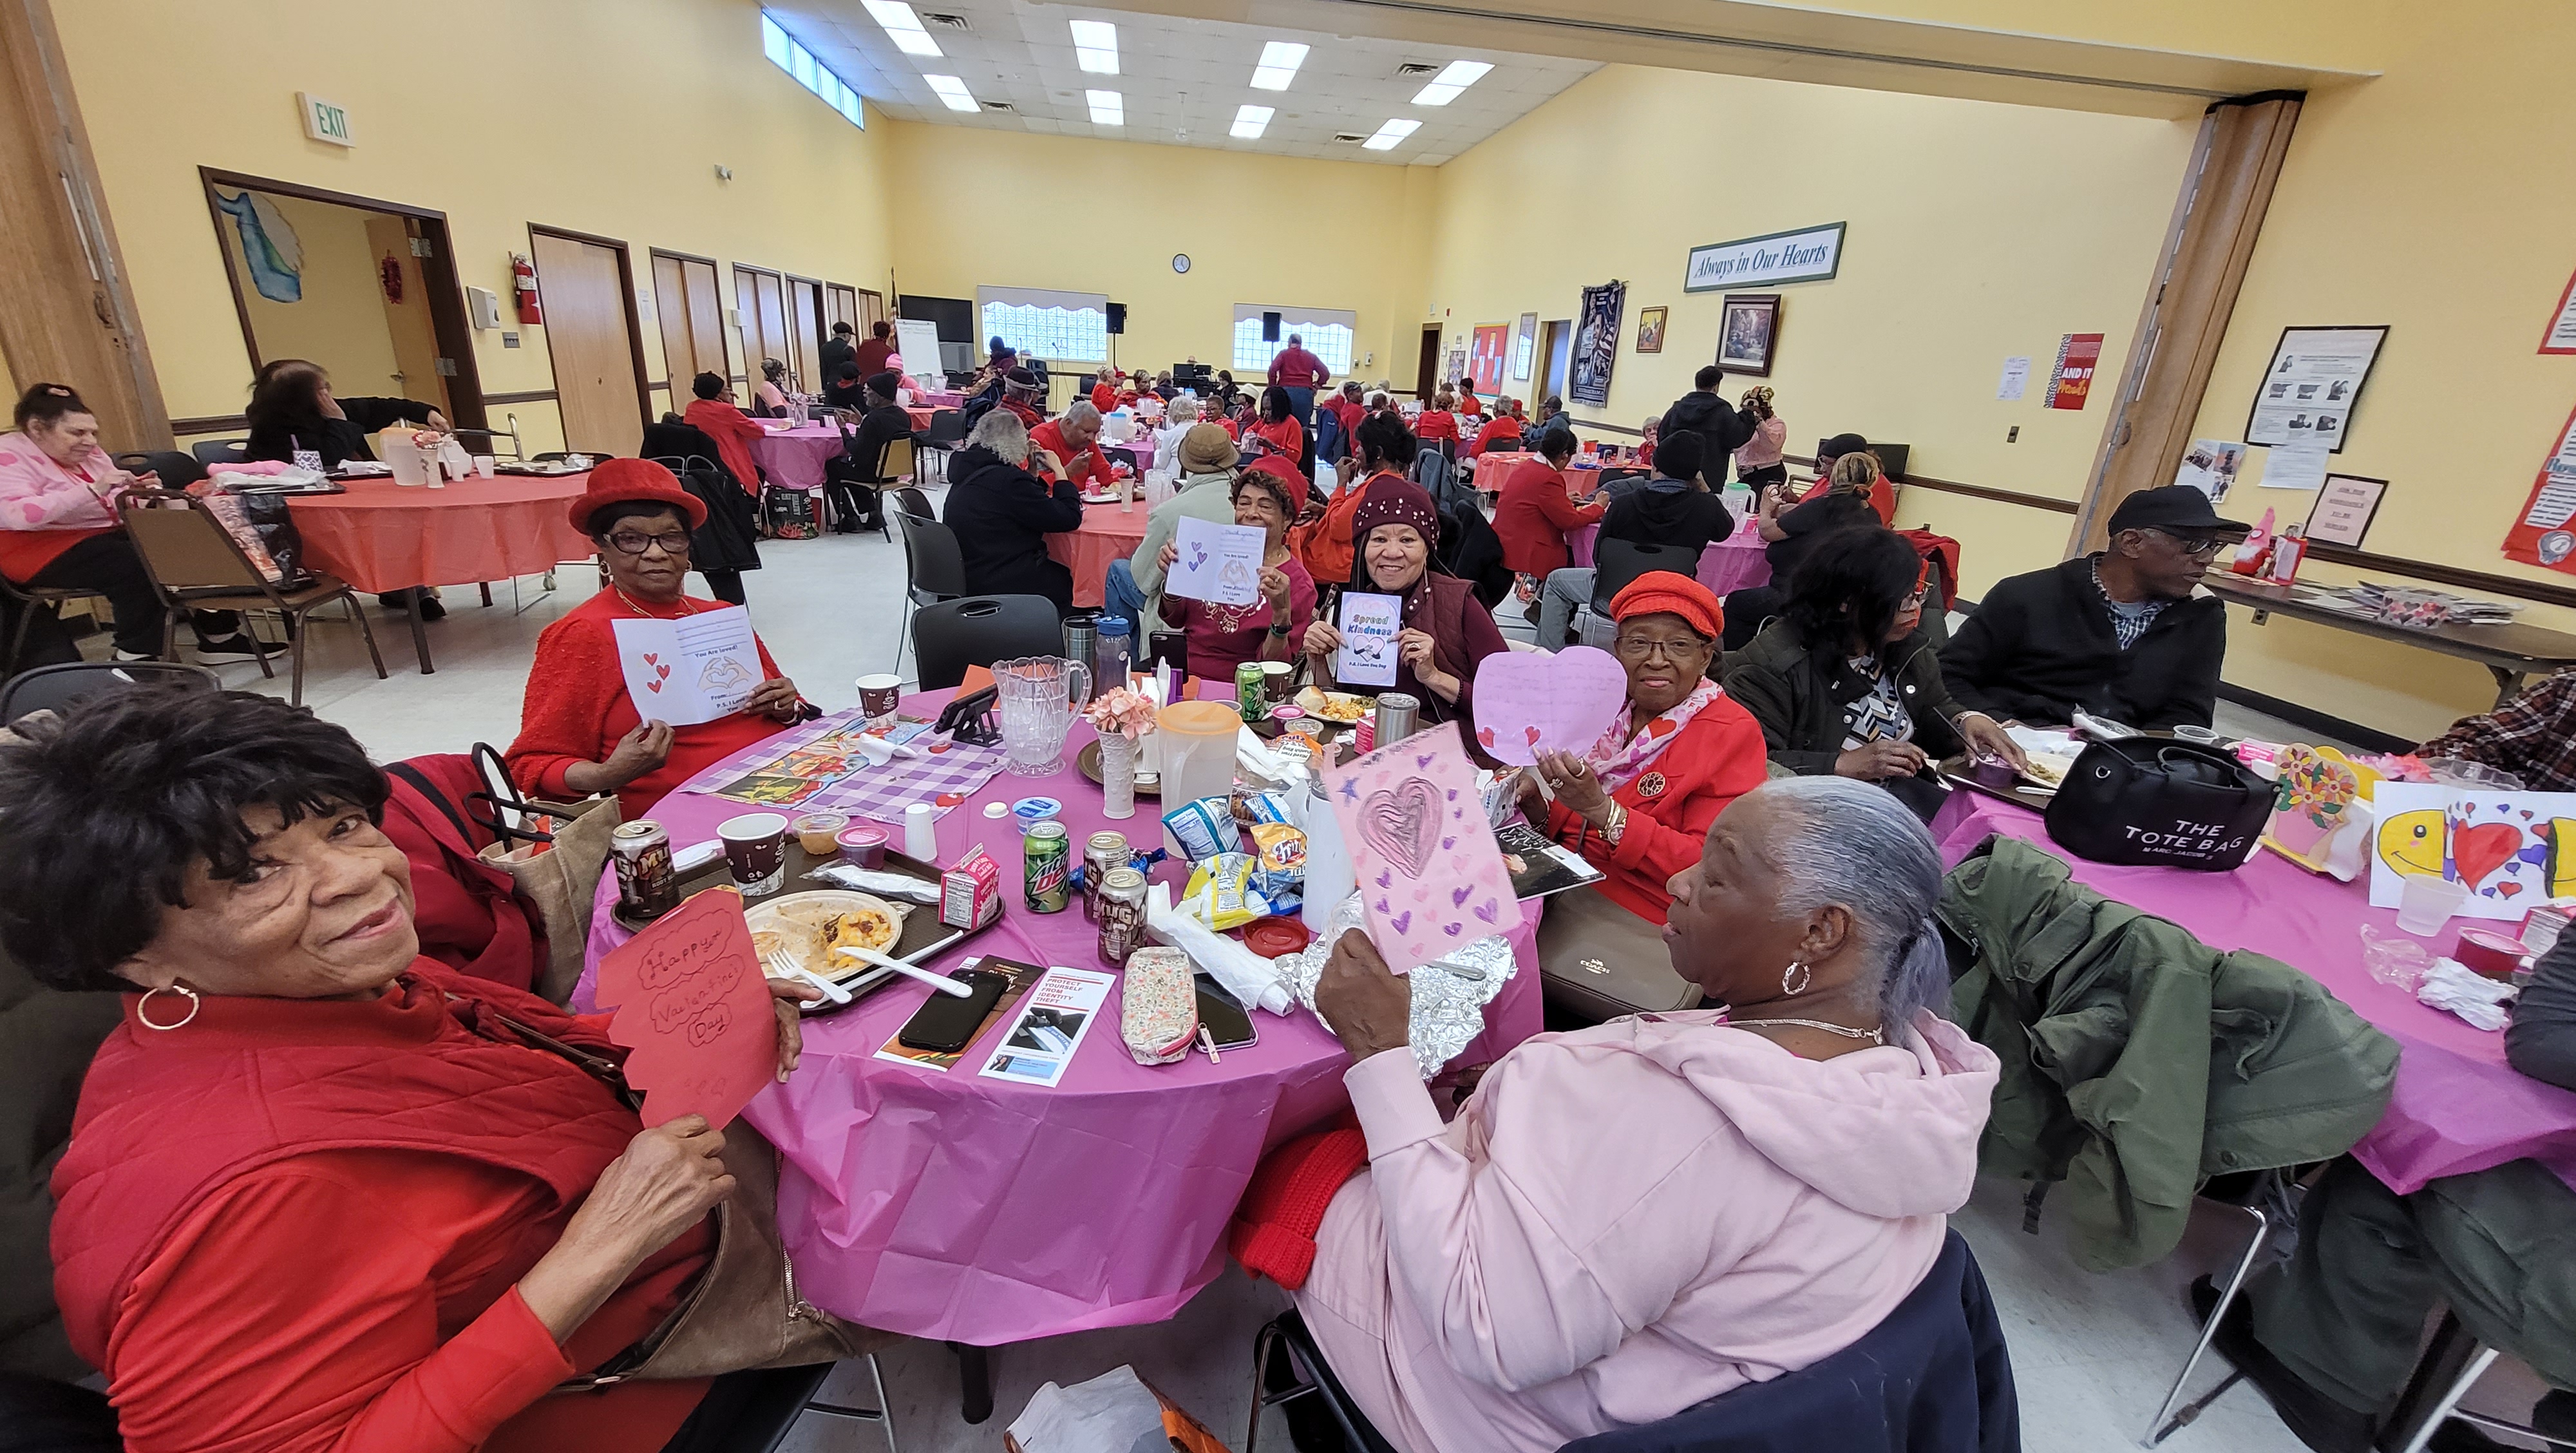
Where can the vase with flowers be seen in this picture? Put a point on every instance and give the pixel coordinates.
(1122, 717)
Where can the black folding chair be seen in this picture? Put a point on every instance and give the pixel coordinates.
(52, 688)
(934, 568)
(978, 630)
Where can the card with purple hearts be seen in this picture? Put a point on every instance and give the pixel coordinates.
(1431, 879)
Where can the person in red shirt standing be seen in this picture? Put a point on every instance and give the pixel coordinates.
(713, 412)
(872, 355)
(1072, 440)
(1537, 509)
(1301, 373)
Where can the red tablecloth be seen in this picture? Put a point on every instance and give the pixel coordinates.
(382, 536)
(981, 1211)
(921, 417)
(1109, 532)
(794, 458)
(2458, 1107)
(1729, 564)
(1496, 469)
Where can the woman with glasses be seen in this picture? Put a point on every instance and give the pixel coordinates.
(1637, 804)
(579, 731)
(1845, 682)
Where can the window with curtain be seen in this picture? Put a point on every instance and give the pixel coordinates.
(1044, 323)
(1329, 333)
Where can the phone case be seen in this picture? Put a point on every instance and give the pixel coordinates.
(944, 1023)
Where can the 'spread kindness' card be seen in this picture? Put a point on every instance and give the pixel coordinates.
(1220, 564)
(1431, 877)
(1038, 1047)
(694, 1007)
(1368, 625)
(690, 670)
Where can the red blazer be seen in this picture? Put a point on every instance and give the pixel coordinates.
(1533, 516)
(733, 432)
(1435, 424)
(1502, 431)
(1718, 758)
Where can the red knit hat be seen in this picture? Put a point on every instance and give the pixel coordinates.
(1662, 592)
(619, 481)
(1273, 1229)
(1282, 466)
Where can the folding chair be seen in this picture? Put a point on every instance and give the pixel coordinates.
(195, 565)
(934, 569)
(28, 599)
(52, 688)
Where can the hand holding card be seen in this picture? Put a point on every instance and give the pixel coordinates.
(1559, 703)
(694, 1007)
(1431, 878)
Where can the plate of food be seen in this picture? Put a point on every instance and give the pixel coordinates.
(1338, 707)
(808, 926)
(2047, 770)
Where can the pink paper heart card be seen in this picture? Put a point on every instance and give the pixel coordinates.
(1431, 879)
(1527, 702)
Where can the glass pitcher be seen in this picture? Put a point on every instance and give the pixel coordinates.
(1038, 693)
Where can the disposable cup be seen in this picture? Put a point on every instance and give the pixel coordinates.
(755, 848)
(2427, 902)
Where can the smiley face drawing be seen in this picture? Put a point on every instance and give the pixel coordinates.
(2414, 843)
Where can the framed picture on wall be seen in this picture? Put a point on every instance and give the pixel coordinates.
(1650, 330)
(1748, 333)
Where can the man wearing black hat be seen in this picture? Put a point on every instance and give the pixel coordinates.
(1673, 508)
(1722, 428)
(2119, 634)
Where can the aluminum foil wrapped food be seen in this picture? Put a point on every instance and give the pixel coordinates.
(1449, 993)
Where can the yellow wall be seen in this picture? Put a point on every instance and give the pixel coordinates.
(339, 319)
(1007, 209)
(602, 116)
(2421, 200)
(1977, 231)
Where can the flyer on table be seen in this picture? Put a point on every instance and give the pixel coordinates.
(1038, 1047)
(690, 670)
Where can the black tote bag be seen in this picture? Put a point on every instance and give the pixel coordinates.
(2156, 802)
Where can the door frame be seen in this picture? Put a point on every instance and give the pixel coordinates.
(437, 272)
(1426, 374)
(751, 356)
(670, 380)
(821, 323)
(634, 319)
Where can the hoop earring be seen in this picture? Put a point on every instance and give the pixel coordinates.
(1795, 978)
(145, 1019)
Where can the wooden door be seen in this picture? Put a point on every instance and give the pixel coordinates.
(1556, 345)
(872, 311)
(591, 335)
(1426, 374)
(841, 305)
(671, 311)
(406, 303)
(761, 296)
(805, 333)
(706, 317)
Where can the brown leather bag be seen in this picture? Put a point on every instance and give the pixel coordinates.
(1598, 960)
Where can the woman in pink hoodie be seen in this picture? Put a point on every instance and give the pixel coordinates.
(1628, 1220)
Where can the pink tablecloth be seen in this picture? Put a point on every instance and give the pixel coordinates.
(2458, 1107)
(794, 458)
(1730, 564)
(1108, 533)
(974, 1210)
(381, 536)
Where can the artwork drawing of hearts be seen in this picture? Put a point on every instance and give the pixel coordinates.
(2480, 850)
(1403, 922)
(1401, 823)
(1562, 703)
(654, 686)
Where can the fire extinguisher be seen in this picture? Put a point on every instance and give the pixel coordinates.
(523, 277)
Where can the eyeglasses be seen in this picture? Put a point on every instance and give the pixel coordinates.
(1913, 599)
(1640, 648)
(636, 542)
(2199, 547)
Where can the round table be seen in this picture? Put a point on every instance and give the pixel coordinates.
(1731, 564)
(383, 537)
(950, 1206)
(1109, 532)
(794, 458)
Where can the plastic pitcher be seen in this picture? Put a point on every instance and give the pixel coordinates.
(1197, 740)
(1038, 693)
(411, 463)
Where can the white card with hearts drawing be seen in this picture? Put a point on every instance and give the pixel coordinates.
(1527, 703)
(690, 670)
(1431, 879)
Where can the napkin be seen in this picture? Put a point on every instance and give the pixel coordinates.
(1242, 971)
(2474, 997)
(1255, 757)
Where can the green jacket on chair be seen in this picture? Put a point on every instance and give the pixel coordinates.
(2139, 1062)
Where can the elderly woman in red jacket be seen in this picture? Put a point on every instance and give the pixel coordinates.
(322, 1193)
(1638, 803)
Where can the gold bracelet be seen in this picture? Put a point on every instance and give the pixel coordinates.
(1612, 831)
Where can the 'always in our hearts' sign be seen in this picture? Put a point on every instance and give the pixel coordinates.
(1431, 878)
(1533, 703)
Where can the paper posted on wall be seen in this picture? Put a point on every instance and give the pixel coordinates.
(2295, 466)
(2210, 466)
(1038, 1047)
(1369, 626)
(690, 670)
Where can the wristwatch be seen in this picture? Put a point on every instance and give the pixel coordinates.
(1278, 630)
(1617, 827)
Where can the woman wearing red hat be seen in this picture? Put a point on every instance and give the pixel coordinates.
(579, 731)
(1637, 804)
(1446, 630)
(1222, 637)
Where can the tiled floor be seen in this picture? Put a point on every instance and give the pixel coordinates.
(2092, 1353)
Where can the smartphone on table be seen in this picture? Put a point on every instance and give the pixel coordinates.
(945, 1022)
(1227, 1024)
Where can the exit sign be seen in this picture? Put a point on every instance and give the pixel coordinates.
(325, 120)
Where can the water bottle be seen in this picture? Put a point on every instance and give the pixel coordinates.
(1111, 654)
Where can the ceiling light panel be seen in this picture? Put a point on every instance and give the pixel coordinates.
(1095, 46)
(1278, 66)
(1392, 134)
(1250, 121)
(1452, 81)
(952, 93)
(902, 27)
(1108, 108)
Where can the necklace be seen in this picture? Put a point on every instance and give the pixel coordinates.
(637, 606)
(1845, 1030)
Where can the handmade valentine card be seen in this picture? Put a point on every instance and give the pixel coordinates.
(2515, 850)
(690, 670)
(1431, 879)
(1527, 702)
(692, 1004)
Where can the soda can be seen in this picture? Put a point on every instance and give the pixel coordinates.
(1122, 915)
(1251, 696)
(1103, 853)
(1046, 863)
(647, 885)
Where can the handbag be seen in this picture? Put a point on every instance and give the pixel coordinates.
(267, 535)
(2150, 801)
(556, 867)
(1599, 960)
